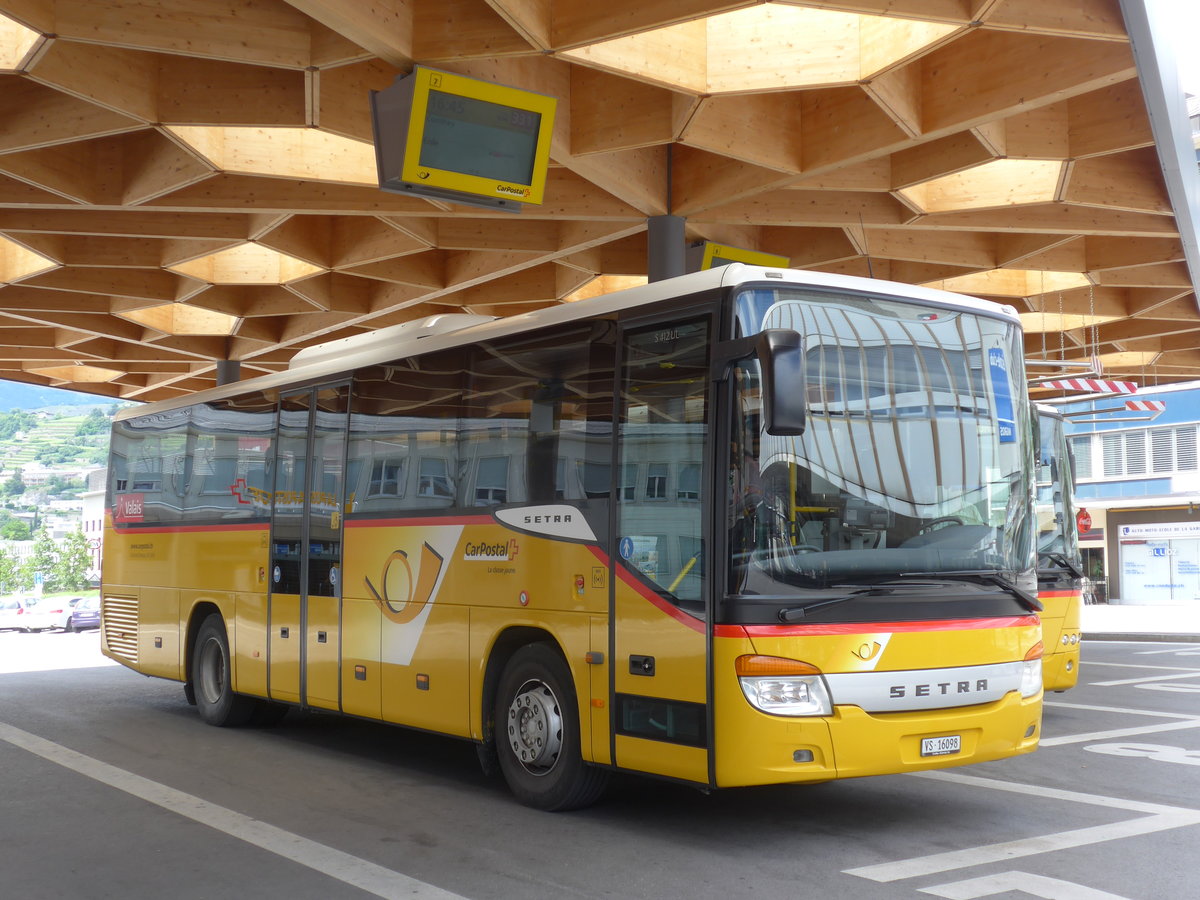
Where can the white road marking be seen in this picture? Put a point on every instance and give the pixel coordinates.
(1018, 882)
(1117, 733)
(1174, 687)
(1181, 649)
(1160, 818)
(1048, 793)
(1009, 850)
(351, 870)
(1117, 665)
(1146, 679)
(1156, 752)
(1117, 709)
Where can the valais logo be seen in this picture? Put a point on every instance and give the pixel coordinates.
(129, 507)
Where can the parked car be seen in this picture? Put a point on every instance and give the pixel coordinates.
(43, 614)
(11, 614)
(30, 614)
(84, 614)
(65, 612)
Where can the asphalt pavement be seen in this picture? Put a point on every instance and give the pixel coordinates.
(111, 786)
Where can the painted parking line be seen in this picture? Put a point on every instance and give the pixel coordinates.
(1059, 704)
(1117, 733)
(1147, 679)
(1157, 817)
(1018, 883)
(351, 870)
(1180, 649)
(1120, 665)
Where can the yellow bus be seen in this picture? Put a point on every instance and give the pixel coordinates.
(1060, 563)
(746, 526)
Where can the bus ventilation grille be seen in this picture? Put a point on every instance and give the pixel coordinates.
(121, 627)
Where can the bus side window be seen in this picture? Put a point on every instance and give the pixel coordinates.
(402, 450)
(538, 418)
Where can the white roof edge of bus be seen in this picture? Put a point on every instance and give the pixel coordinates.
(331, 364)
(1045, 409)
(396, 338)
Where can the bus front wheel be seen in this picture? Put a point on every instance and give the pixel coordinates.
(537, 733)
(215, 698)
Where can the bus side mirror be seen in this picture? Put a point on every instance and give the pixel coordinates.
(781, 357)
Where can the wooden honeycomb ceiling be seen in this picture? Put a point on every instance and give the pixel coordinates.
(189, 181)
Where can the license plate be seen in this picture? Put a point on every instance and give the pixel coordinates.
(941, 746)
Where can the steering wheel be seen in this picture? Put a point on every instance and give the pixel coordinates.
(933, 524)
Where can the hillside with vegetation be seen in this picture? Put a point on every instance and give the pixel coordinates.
(59, 445)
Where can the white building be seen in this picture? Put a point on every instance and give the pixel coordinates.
(1138, 485)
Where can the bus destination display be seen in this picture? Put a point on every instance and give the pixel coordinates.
(473, 137)
(449, 137)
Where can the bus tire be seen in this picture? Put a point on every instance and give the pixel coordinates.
(537, 733)
(211, 669)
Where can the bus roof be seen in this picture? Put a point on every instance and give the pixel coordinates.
(334, 358)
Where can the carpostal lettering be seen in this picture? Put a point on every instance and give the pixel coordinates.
(485, 552)
(509, 189)
(897, 691)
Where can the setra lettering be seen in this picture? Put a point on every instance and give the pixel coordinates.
(900, 691)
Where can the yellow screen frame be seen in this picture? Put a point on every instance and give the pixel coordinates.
(738, 254)
(426, 80)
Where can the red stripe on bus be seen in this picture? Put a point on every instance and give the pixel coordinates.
(1059, 594)
(646, 593)
(752, 631)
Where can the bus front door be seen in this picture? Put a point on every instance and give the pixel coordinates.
(660, 655)
(306, 547)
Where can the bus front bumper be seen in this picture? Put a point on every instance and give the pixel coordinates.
(851, 743)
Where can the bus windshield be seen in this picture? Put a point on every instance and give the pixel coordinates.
(913, 461)
(1058, 538)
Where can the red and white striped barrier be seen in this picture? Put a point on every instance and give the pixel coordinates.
(1145, 405)
(1091, 386)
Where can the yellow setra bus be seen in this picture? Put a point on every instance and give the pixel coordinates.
(742, 527)
(1060, 563)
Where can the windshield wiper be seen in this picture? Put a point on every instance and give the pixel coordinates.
(1064, 563)
(985, 576)
(796, 613)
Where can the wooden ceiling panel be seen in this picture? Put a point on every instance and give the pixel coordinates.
(137, 136)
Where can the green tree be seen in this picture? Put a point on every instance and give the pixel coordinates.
(17, 420)
(14, 529)
(70, 570)
(50, 454)
(10, 574)
(15, 486)
(43, 560)
(95, 423)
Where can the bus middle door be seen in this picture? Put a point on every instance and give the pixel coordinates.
(306, 547)
(660, 657)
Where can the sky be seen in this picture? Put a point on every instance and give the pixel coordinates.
(1186, 15)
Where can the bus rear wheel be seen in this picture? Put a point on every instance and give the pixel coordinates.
(215, 698)
(537, 733)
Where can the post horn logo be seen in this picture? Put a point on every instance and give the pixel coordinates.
(400, 582)
(868, 651)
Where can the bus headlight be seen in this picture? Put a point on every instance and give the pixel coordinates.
(783, 687)
(1031, 671)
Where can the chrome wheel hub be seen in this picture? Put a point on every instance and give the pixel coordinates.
(535, 727)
